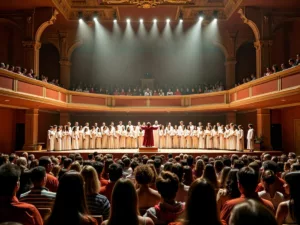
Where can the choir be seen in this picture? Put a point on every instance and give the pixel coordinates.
(230, 137)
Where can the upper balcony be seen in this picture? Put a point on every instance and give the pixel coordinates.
(278, 90)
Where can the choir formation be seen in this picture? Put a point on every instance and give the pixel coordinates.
(230, 136)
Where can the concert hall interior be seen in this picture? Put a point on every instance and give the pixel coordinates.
(210, 61)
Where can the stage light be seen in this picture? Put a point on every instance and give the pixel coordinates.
(168, 20)
(80, 16)
(141, 20)
(180, 16)
(115, 16)
(155, 20)
(215, 15)
(95, 17)
(201, 15)
(180, 20)
(80, 20)
(128, 20)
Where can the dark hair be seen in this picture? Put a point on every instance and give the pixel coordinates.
(90, 156)
(232, 189)
(98, 167)
(219, 166)
(227, 162)
(167, 185)
(270, 165)
(107, 163)
(115, 172)
(251, 212)
(187, 175)
(210, 175)
(67, 162)
(124, 203)
(38, 174)
(44, 161)
(201, 213)
(144, 174)
(178, 170)
(248, 179)
(9, 176)
(134, 164)
(70, 203)
(224, 175)
(268, 176)
(293, 180)
(190, 160)
(238, 164)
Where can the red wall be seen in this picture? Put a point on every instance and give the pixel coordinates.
(49, 62)
(45, 120)
(244, 118)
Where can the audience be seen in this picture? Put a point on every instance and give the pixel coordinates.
(10, 208)
(52, 182)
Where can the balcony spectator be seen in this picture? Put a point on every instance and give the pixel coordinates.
(275, 68)
(282, 66)
(161, 93)
(122, 92)
(177, 92)
(2, 66)
(18, 70)
(170, 92)
(292, 63)
(155, 93)
(253, 77)
(147, 92)
(11, 68)
(129, 93)
(268, 72)
(297, 60)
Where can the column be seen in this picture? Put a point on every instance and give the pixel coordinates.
(230, 73)
(65, 73)
(64, 118)
(263, 56)
(257, 46)
(264, 127)
(32, 55)
(230, 117)
(31, 129)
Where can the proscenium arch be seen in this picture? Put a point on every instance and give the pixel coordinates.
(71, 49)
(222, 48)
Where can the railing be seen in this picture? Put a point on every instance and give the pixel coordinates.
(18, 86)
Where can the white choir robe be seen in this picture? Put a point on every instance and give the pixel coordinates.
(188, 138)
(64, 140)
(105, 138)
(216, 140)
(123, 139)
(175, 138)
(222, 139)
(168, 138)
(182, 141)
(162, 139)
(50, 140)
(250, 139)
(209, 140)
(226, 138)
(128, 139)
(58, 141)
(156, 136)
(80, 139)
(111, 139)
(120, 128)
(134, 140)
(98, 139)
(232, 139)
(141, 138)
(239, 140)
(195, 139)
(86, 139)
(117, 140)
(201, 139)
(75, 139)
(93, 139)
(68, 139)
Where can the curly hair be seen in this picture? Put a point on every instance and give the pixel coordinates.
(144, 174)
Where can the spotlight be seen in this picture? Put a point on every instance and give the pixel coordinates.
(80, 16)
(215, 15)
(201, 15)
(168, 20)
(128, 20)
(155, 20)
(180, 20)
(80, 20)
(115, 20)
(180, 16)
(115, 16)
(141, 20)
(95, 17)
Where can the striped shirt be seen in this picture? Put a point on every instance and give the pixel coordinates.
(39, 197)
(98, 205)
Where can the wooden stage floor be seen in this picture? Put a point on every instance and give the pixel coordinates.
(119, 152)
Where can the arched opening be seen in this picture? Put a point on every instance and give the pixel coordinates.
(246, 62)
(49, 61)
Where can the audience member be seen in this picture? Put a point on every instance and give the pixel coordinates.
(52, 182)
(182, 192)
(210, 175)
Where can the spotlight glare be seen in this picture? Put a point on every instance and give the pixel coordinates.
(80, 20)
(141, 20)
(215, 19)
(115, 20)
(201, 18)
(95, 18)
(155, 20)
(128, 20)
(181, 20)
(168, 20)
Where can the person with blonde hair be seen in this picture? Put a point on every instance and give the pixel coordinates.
(97, 204)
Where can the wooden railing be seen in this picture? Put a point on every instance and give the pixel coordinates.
(18, 86)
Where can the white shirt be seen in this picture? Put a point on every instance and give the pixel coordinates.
(276, 200)
(250, 134)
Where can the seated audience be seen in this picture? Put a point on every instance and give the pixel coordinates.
(10, 208)
(247, 182)
(288, 212)
(168, 210)
(70, 204)
(39, 195)
(97, 204)
(146, 195)
(223, 176)
(210, 175)
(251, 212)
(182, 193)
(99, 169)
(268, 179)
(52, 182)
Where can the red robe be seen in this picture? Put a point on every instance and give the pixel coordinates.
(148, 137)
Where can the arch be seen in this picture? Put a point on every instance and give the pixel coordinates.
(72, 48)
(44, 25)
(222, 48)
(10, 22)
(251, 24)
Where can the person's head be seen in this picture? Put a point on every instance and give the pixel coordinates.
(91, 181)
(251, 212)
(75, 166)
(46, 162)
(187, 175)
(200, 165)
(292, 155)
(22, 162)
(144, 174)
(218, 166)
(38, 176)
(167, 185)
(291, 62)
(247, 180)
(178, 170)
(115, 172)
(268, 178)
(238, 164)
(98, 167)
(270, 165)
(250, 126)
(224, 175)
(124, 203)
(70, 203)
(210, 175)
(190, 160)
(10, 179)
(232, 188)
(295, 167)
(201, 206)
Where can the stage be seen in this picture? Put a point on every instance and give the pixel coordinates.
(119, 152)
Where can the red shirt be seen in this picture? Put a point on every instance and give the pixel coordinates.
(177, 93)
(107, 190)
(52, 183)
(228, 206)
(14, 211)
(103, 181)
